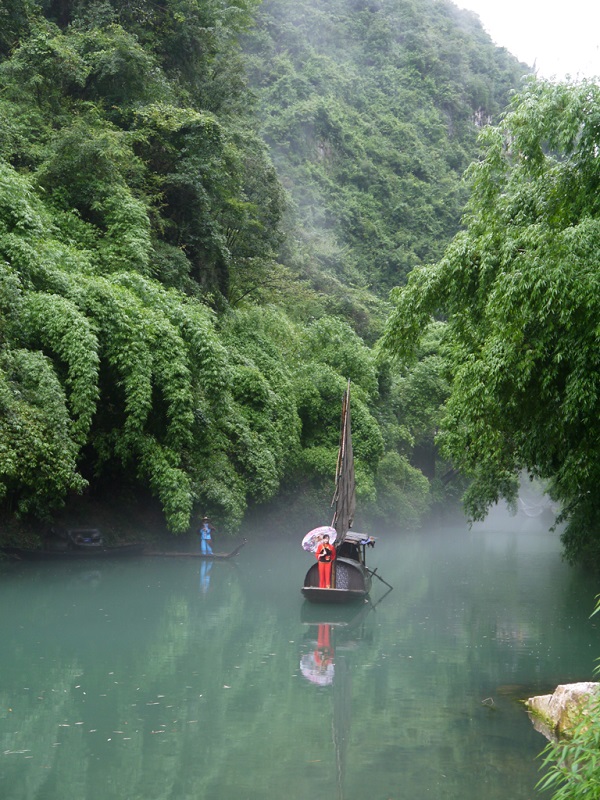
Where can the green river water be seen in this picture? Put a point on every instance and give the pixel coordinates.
(175, 679)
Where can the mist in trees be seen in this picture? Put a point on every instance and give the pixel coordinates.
(371, 112)
(202, 207)
(519, 292)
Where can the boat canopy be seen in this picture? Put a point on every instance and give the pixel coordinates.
(358, 538)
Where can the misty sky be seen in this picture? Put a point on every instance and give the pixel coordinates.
(560, 39)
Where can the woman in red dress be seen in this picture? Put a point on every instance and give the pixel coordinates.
(325, 554)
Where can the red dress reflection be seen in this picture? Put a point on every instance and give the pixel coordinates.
(318, 666)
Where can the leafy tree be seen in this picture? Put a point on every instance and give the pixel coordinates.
(416, 398)
(265, 427)
(329, 353)
(130, 374)
(145, 237)
(38, 455)
(519, 289)
(403, 492)
(14, 18)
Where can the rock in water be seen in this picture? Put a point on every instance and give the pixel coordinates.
(555, 715)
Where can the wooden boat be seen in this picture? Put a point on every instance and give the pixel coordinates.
(352, 582)
(82, 543)
(76, 544)
(207, 556)
(351, 577)
(74, 553)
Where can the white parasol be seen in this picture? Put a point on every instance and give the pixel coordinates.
(312, 538)
(316, 669)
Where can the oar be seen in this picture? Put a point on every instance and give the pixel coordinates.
(385, 594)
(374, 572)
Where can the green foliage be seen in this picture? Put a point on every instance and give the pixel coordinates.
(104, 129)
(337, 345)
(14, 20)
(371, 113)
(194, 41)
(45, 66)
(124, 181)
(319, 390)
(55, 324)
(264, 427)
(38, 452)
(137, 194)
(410, 413)
(403, 492)
(519, 289)
(418, 392)
(148, 356)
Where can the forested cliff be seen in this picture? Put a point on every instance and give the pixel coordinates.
(203, 206)
(371, 112)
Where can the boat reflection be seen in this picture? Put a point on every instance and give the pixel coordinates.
(333, 635)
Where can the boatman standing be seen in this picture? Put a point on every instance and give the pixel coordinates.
(206, 531)
(325, 554)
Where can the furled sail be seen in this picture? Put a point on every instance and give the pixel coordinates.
(344, 499)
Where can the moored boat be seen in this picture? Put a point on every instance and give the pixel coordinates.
(207, 556)
(74, 543)
(75, 553)
(352, 581)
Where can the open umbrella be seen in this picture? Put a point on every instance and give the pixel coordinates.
(312, 538)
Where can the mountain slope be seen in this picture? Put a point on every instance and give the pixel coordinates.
(371, 111)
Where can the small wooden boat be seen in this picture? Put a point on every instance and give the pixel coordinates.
(351, 579)
(76, 544)
(74, 553)
(207, 556)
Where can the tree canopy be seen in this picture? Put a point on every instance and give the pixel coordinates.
(519, 291)
(173, 326)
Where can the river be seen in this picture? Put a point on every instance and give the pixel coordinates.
(175, 678)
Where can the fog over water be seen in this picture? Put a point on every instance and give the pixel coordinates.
(176, 678)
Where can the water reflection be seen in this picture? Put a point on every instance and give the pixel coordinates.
(333, 635)
(205, 569)
(318, 666)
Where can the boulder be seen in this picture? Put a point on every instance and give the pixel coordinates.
(555, 715)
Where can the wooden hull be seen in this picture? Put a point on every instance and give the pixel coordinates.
(207, 556)
(74, 554)
(333, 596)
(352, 579)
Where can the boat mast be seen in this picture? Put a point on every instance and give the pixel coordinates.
(344, 496)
